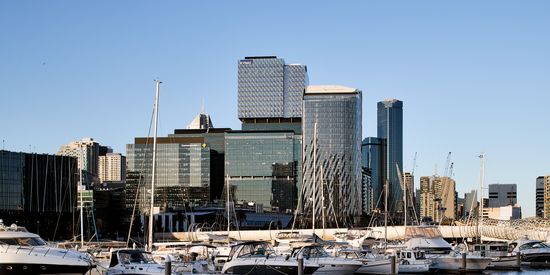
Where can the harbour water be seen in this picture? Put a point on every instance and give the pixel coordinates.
(524, 271)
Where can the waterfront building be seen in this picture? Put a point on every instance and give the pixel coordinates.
(262, 168)
(112, 167)
(390, 127)
(183, 171)
(331, 152)
(539, 199)
(270, 89)
(502, 195)
(373, 158)
(38, 189)
(438, 198)
(408, 181)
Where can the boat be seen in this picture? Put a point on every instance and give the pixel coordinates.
(315, 253)
(134, 261)
(499, 254)
(22, 252)
(413, 261)
(258, 257)
(444, 258)
(532, 251)
(187, 257)
(371, 264)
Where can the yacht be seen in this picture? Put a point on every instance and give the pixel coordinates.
(315, 253)
(444, 258)
(532, 251)
(257, 257)
(136, 262)
(499, 254)
(22, 252)
(371, 263)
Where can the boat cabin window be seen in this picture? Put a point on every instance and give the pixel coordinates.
(419, 255)
(132, 257)
(533, 245)
(23, 241)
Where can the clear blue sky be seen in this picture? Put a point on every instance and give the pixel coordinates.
(474, 76)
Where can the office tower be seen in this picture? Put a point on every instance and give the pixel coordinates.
(183, 171)
(502, 195)
(270, 89)
(201, 121)
(373, 158)
(331, 152)
(112, 167)
(263, 161)
(437, 198)
(262, 168)
(539, 199)
(390, 127)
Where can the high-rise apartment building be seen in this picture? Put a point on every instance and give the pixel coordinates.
(437, 197)
(390, 128)
(270, 89)
(546, 208)
(112, 167)
(331, 152)
(502, 195)
(373, 158)
(88, 152)
(539, 200)
(470, 204)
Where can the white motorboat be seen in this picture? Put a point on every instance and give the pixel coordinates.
(328, 264)
(22, 252)
(371, 263)
(444, 258)
(257, 257)
(186, 257)
(499, 254)
(134, 261)
(532, 251)
(413, 261)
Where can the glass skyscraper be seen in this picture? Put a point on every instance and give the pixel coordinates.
(332, 152)
(269, 88)
(373, 152)
(390, 128)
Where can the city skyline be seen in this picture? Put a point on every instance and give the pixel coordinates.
(472, 76)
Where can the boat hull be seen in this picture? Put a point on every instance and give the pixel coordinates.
(41, 268)
(267, 269)
(375, 267)
(455, 263)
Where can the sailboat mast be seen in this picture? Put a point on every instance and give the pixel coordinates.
(227, 203)
(81, 161)
(151, 212)
(481, 178)
(323, 199)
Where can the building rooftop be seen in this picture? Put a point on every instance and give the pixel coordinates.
(330, 89)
